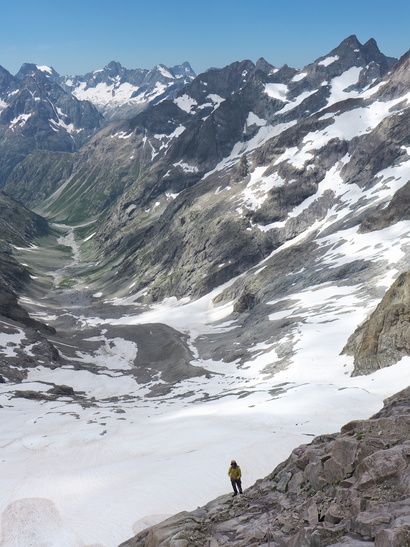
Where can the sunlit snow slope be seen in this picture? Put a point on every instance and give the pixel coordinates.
(131, 445)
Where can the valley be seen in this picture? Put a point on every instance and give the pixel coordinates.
(222, 274)
(107, 431)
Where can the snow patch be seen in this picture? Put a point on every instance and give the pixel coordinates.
(46, 69)
(297, 101)
(328, 61)
(276, 91)
(258, 187)
(216, 99)
(165, 72)
(19, 121)
(186, 167)
(104, 94)
(341, 83)
(186, 103)
(121, 135)
(299, 77)
(253, 119)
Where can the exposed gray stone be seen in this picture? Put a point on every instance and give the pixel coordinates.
(385, 337)
(371, 510)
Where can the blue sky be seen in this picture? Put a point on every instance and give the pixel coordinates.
(80, 36)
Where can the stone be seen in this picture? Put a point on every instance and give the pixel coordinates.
(369, 509)
(335, 514)
(384, 338)
(381, 466)
(368, 524)
(312, 514)
(282, 484)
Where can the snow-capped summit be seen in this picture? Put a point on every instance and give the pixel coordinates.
(31, 68)
(119, 92)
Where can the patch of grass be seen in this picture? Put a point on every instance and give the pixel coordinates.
(67, 282)
(64, 248)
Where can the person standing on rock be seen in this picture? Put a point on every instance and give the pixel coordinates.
(235, 475)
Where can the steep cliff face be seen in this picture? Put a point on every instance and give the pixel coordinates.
(385, 337)
(50, 169)
(347, 489)
(19, 227)
(37, 114)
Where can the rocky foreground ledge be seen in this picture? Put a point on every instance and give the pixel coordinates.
(346, 489)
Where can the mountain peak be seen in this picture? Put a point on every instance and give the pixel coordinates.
(350, 41)
(262, 64)
(25, 69)
(114, 66)
(48, 71)
(351, 53)
(32, 68)
(371, 47)
(371, 43)
(182, 70)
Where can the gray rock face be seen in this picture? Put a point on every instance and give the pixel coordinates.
(347, 489)
(39, 114)
(385, 337)
(51, 168)
(162, 354)
(167, 189)
(19, 226)
(399, 79)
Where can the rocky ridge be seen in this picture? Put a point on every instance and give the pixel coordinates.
(347, 489)
(118, 92)
(384, 338)
(167, 173)
(41, 110)
(36, 113)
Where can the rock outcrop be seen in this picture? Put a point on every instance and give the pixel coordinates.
(385, 337)
(20, 227)
(346, 489)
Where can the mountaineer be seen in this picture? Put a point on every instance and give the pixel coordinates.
(235, 474)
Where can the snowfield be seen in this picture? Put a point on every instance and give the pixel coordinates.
(95, 470)
(79, 476)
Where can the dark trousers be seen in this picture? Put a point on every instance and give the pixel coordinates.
(236, 483)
